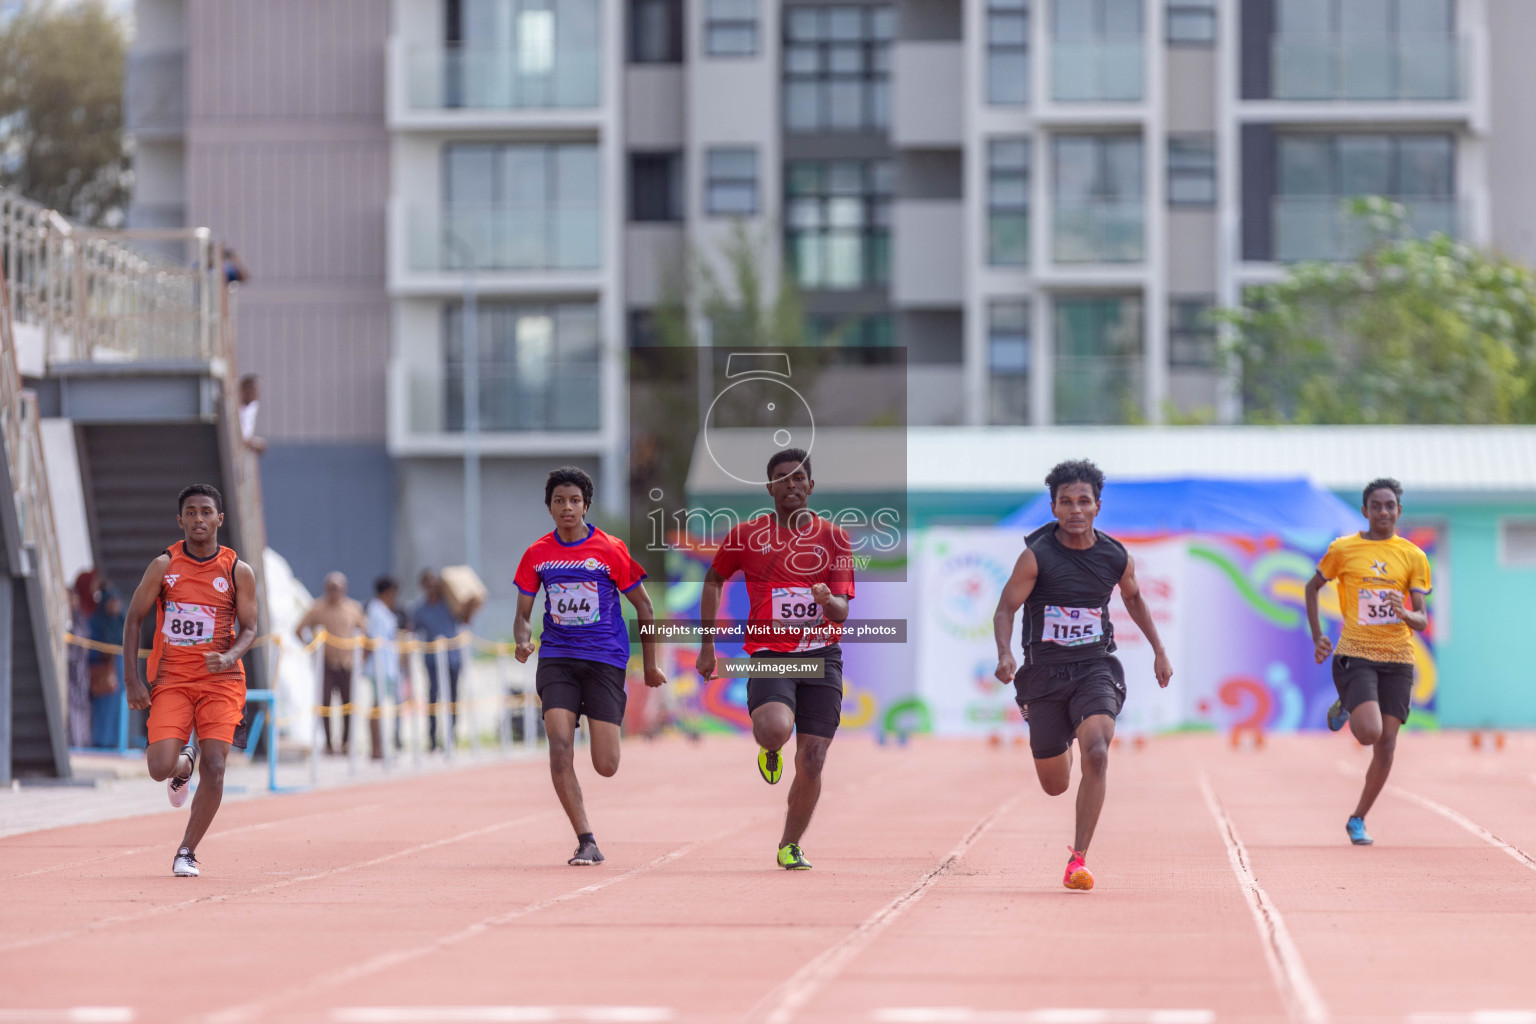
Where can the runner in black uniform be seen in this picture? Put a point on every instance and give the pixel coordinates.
(1071, 684)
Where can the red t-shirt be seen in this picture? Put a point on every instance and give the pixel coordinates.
(781, 566)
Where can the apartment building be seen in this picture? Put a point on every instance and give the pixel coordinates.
(1039, 199)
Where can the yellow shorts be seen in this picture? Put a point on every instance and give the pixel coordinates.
(214, 708)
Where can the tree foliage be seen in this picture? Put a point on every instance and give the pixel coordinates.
(1414, 331)
(61, 107)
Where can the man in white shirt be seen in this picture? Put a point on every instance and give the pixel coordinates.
(250, 405)
(383, 664)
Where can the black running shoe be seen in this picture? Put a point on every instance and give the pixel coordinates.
(587, 854)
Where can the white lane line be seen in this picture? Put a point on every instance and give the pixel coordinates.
(502, 1014)
(165, 908)
(1476, 1017)
(71, 1015)
(1302, 1001)
(1516, 854)
(787, 999)
(1049, 1015)
(211, 835)
(257, 1009)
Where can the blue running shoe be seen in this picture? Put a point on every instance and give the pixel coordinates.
(1337, 716)
(1357, 833)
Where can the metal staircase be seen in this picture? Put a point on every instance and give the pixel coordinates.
(137, 350)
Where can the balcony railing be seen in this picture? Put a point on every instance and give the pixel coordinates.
(1101, 71)
(551, 237)
(155, 93)
(1321, 228)
(1098, 389)
(1368, 68)
(1098, 231)
(527, 77)
(532, 399)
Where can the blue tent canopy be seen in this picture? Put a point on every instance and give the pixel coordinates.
(1296, 509)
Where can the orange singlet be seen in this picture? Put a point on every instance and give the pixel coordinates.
(194, 617)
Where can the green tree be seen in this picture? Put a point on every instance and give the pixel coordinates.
(1414, 331)
(61, 107)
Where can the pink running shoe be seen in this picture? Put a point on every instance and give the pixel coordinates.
(1078, 876)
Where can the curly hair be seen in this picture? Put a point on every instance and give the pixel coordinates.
(1075, 471)
(1384, 483)
(206, 490)
(568, 475)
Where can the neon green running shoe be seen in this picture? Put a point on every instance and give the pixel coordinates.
(770, 765)
(792, 859)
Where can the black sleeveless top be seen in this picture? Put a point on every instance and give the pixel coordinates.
(1067, 615)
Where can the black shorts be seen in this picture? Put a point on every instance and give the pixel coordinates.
(1055, 699)
(1388, 683)
(817, 703)
(582, 687)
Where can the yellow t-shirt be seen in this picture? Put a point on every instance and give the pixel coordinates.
(1366, 570)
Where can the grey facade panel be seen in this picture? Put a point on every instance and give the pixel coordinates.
(1192, 85)
(1192, 251)
(331, 507)
(930, 174)
(930, 20)
(1258, 186)
(653, 262)
(1512, 140)
(1255, 31)
(655, 106)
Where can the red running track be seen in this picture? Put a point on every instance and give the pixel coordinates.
(1226, 890)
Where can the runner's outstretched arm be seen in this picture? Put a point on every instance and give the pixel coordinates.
(522, 627)
(1015, 592)
(245, 615)
(709, 608)
(1322, 646)
(143, 602)
(1130, 593)
(646, 615)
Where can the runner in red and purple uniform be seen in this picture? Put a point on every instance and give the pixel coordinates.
(799, 573)
(585, 645)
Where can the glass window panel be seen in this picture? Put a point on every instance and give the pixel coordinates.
(731, 40)
(800, 59)
(883, 24)
(882, 177)
(846, 60)
(879, 104)
(1191, 190)
(1076, 169)
(1306, 167)
(1008, 154)
(724, 10)
(802, 106)
(471, 174)
(1122, 166)
(1191, 26)
(845, 177)
(1010, 354)
(732, 163)
(1365, 165)
(845, 212)
(1008, 78)
(845, 105)
(1008, 239)
(576, 333)
(803, 177)
(732, 198)
(845, 260)
(1192, 153)
(805, 213)
(576, 174)
(1009, 190)
(1009, 318)
(1008, 5)
(1074, 20)
(1371, 18)
(1426, 166)
(1122, 18)
(1008, 29)
(803, 24)
(805, 251)
(1427, 16)
(1304, 17)
(845, 23)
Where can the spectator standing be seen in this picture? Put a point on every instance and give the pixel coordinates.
(250, 405)
(432, 619)
(342, 618)
(108, 703)
(384, 658)
(82, 605)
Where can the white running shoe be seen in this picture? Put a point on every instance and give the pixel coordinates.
(178, 787)
(185, 865)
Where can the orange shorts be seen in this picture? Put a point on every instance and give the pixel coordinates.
(214, 708)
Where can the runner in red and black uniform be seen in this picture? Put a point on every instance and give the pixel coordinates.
(799, 573)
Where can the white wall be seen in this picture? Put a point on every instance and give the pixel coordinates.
(68, 498)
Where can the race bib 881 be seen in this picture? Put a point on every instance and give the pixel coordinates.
(186, 625)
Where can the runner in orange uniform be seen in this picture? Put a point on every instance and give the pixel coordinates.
(204, 599)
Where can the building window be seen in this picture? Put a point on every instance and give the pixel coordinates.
(730, 185)
(538, 366)
(1517, 542)
(655, 31)
(1008, 202)
(837, 65)
(1191, 333)
(1191, 22)
(1366, 50)
(1097, 51)
(874, 331)
(656, 187)
(1008, 357)
(1007, 52)
(838, 217)
(1192, 170)
(1098, 215)
(1098, 346)
(730, 28)
(516, 207)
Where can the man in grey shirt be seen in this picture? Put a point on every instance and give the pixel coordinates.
(432, 619)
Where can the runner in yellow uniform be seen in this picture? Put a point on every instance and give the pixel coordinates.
(1382, 581)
